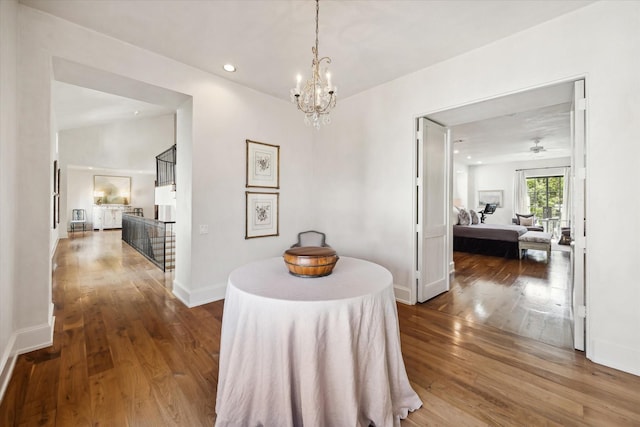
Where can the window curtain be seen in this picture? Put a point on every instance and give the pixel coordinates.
(520, 194)
(567, 189)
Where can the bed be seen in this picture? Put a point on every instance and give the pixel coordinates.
(488, 239)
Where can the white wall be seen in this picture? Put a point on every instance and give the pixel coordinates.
(8, 143)
(367, 155)
(500, 177)
(184, 219)
(165, 198)
(125, 148)
(460, 195)
(79, 192)
(129, 144)
(211, 163)
(353, 179)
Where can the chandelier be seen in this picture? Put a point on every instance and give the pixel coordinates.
(317, 97)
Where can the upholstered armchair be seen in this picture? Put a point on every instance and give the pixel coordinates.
(565, 235)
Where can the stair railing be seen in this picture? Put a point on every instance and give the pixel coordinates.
(152, 238)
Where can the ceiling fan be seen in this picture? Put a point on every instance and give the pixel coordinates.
(536, 148)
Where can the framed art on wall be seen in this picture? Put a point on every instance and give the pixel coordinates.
(489, 196)
(111, 190)
(263, 165)
(56, 194)
(56, 211)
(261, 214)
(58, 197)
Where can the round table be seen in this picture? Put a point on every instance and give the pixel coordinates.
(311, 351)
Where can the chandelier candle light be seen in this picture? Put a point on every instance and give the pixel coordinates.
(317, 97)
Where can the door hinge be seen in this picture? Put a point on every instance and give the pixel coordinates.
(581, 104)
(418, 275)
(581, 311)
(580, 244)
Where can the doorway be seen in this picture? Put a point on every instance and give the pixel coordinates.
(112, 126)
(487, 146)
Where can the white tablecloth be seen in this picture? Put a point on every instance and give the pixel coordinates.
(311, 351)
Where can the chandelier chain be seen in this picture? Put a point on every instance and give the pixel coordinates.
(317, 31)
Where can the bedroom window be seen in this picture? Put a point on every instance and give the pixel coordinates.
(545, 196)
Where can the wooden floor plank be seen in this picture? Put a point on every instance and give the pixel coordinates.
(127, 352)
(39, 407)
(13, 400)
(107, 405)
(73, 385)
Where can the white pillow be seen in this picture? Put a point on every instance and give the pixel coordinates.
(454, 215)
(464, 218)
(527, 222)
(474, 217)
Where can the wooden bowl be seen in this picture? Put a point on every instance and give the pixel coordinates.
(310, 261)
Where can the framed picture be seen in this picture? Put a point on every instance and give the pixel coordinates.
(58, 197)
(262, 215)
(263, 165)
(111, 190)
(55, 194)
(55, 177)
(56, 211)
(489, 196)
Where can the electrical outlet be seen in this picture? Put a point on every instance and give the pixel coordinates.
(204, 229)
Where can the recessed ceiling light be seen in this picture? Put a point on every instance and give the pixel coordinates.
(456, 151)
(135, 113)
(479, 162)
(468, 157)
(230, 68)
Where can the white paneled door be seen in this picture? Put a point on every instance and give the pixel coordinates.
(433, 200)
(578, 217)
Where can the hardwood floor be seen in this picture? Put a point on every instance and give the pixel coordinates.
(127, 353)
(528, 297)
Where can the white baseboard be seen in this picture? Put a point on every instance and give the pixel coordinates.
(614, 356)
(55, 246)
(199, 296)
(24, 341)
(403, 294)
(7, 363)
(34, 337)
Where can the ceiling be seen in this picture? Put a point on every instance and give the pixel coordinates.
(503, 129)
(269, 41)
(76, 106)
(510, 138)
(369, 42)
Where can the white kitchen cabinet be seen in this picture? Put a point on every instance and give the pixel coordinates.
(106, 217)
